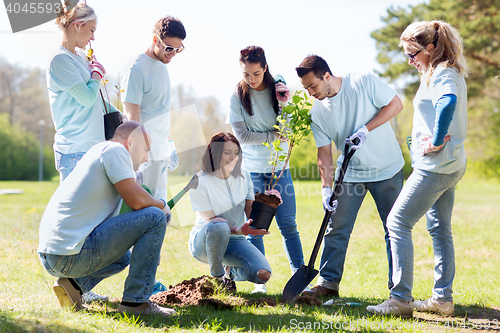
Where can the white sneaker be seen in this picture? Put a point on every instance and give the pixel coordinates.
(432, 305)
(90, 297)
(259, 288)
(392, 307)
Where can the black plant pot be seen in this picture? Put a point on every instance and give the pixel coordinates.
(262, 215)
(111, 122)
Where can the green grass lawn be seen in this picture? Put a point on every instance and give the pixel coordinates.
(28, 304)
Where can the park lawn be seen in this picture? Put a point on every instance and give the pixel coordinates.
(28, 304)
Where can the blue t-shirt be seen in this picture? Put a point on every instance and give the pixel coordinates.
(452, 157)
(146, 83)
(77, 127)
(85, 199)
(360, 98)
(256, 157)
(225, 197)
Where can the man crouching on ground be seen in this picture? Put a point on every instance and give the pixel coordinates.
(83, 240)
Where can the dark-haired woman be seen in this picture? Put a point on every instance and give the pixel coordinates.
(253, 112)
(222, 201)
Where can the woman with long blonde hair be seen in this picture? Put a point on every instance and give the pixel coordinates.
(435, 48)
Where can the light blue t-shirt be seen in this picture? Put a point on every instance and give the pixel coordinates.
(146, 83)
(360, 98)
(85, 199)
(77, 127)
(256, 157)
(452, 157)
(225, 197)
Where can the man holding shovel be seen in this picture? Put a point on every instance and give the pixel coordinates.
(356, 106)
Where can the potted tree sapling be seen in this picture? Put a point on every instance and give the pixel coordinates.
(293, 125)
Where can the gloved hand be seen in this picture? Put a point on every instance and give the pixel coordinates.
(97, 67)
(173, 159)
(282, 92)
(426, 145)
(167, 211)
(327, 192)
(361, 134)
(246, 230)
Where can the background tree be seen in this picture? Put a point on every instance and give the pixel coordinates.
(478, 22)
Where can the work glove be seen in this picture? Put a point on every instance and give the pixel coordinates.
(97, 67)
(327, 192)
(426, 145)
(361, 134)
(246, 230)
(167, 211)
(172, 159)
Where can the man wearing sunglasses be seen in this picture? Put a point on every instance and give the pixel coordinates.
(354, 106)
(146, 99)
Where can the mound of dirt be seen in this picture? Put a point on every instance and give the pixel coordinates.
(308, 300)
(188, 292)
(197, 291)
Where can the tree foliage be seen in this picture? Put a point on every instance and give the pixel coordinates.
(19, 154)
(478, 22)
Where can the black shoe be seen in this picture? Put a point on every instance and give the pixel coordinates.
(229, 284)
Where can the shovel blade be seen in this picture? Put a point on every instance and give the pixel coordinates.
(297, 283)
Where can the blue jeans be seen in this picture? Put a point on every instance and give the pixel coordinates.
(285, 217)
(432, 194)
(339, 231)
(214, 245)
(65, 163)
(106, 253)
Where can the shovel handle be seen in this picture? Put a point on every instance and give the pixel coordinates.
(338, 183)
(192, 185)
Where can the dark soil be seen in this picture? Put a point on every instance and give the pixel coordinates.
(268, 199)
(197, 291)
(308, 300)
(188, 292)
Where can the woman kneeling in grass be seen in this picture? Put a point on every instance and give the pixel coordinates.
(222, 202)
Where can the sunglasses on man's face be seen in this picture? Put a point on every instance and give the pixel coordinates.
(412, 56)
(169, 49)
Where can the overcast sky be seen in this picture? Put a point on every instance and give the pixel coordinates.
(339, 31)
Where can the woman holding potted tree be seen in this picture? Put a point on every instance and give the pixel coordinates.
(253, 111)
(222, 201)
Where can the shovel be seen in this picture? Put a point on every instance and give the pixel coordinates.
(305, 274)
(192, 185)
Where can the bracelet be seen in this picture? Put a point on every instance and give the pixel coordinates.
(164, 203)
(238, 231)
(97, 73)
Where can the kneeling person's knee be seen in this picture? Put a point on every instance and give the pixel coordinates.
(264, 275)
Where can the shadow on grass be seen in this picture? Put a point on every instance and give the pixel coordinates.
(465, 318)
(243, 318)
(15, 324)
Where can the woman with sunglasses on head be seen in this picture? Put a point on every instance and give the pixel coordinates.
(73, 83)
(222, 202)
(253, 111)
(438, 158)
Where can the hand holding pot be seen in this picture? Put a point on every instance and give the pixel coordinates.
(246, 230)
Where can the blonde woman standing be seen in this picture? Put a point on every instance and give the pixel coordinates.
(73, 84)
(439, 162)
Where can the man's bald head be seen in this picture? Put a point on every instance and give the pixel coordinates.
(136, 139)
